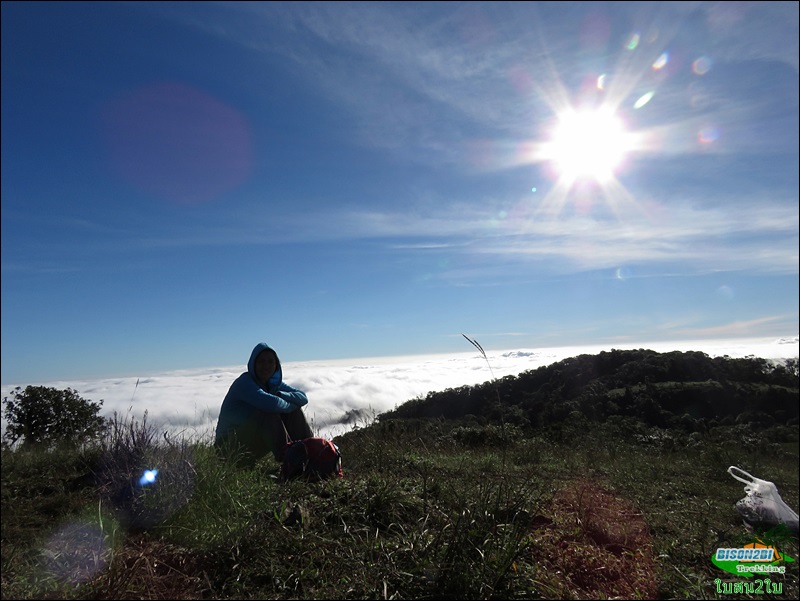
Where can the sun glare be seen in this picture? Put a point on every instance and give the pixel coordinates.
(588, 145)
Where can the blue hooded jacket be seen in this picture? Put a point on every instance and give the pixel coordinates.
(246, 398)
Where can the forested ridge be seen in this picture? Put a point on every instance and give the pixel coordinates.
(690, 390)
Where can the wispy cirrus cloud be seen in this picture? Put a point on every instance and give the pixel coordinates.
(738, 328)
(424, 78)
(704, 237)
(749, 238)
(446, 80)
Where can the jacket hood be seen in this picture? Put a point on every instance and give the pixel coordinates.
(277, 377)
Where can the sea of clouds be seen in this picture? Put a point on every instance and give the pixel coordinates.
(348, 393)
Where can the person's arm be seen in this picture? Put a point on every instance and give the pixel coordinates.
(254, 395)
(296, 397)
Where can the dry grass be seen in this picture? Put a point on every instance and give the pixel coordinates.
(594, 544)
(147, 568)
(420, 514)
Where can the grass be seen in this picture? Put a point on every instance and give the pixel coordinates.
(427, 509)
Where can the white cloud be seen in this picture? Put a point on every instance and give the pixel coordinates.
(707, 238)
(188, 401)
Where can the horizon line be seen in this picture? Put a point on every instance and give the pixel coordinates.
(615, 345)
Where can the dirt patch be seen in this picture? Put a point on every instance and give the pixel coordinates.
(591, 543)
(151, 569)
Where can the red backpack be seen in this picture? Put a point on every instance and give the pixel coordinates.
(311, 459)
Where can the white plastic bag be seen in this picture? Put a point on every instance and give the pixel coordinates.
(763, 507)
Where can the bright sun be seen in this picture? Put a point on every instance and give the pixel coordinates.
(588, 145)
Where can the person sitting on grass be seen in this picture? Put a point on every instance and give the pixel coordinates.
(261, 414)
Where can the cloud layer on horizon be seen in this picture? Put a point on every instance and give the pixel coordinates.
(351, 392)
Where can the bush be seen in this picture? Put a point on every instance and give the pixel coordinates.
(491, 435)
(47, 417)
(142, 478)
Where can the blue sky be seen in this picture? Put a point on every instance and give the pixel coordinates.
(183, 180)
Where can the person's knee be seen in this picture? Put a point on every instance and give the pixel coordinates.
(297, 426)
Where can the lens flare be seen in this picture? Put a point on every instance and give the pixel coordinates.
(661, 61)
(643, 100)
(622, 273)
(707, 135)
(148, 477)
(177, 143)
(77, 552)
(701, 66)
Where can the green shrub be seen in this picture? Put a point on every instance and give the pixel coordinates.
(47, 417)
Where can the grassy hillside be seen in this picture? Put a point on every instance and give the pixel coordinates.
(596, 477)
(684, 389)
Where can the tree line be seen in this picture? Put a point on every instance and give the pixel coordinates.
(676, 389)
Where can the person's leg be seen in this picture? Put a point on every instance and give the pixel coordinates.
(274, 434)
(296, 425)
(246, 443)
